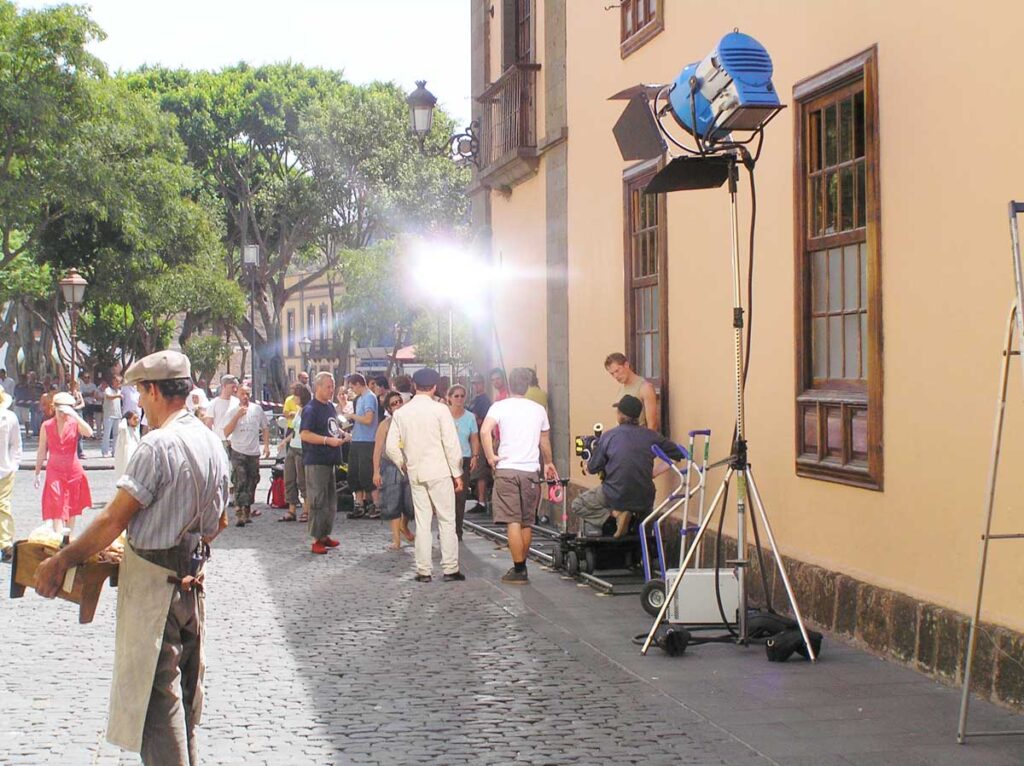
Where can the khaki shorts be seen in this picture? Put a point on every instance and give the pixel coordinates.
(515, 497)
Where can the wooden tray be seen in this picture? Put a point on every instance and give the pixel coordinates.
(85, 590)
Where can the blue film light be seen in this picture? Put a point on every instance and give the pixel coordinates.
(729, 89)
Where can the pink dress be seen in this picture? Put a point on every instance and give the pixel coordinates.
(66, 490)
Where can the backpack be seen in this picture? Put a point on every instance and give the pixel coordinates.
(275, 495)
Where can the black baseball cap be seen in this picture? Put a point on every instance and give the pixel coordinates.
(630, 406)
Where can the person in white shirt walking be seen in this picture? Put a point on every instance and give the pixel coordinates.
(424, 444)
(7, 383)
(128, 438)
(111, 416)
(220, 410)
(10, 457)
(525, 440)
(243, 431)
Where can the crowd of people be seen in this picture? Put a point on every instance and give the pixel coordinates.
(416, 449)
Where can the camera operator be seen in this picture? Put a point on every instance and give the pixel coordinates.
(624, 455)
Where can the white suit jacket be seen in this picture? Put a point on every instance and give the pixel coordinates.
(423, 439)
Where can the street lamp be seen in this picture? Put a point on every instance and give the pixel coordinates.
(73, 288)
(465, 145)
(305, 344)
(251, 259)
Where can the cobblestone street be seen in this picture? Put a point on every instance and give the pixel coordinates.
(345, 659)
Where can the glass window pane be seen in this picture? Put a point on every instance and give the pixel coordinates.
(814, 203)
(859, 436)
(846, 200)
(851, 324)
(835, 279)
(834, 436)
(846, 130)
(814, 141)
(831, 201)
(652, 8)
(835, 347)
(655, 356)
(648, 356)
(652, 248)
(810, 425)
(862, 200)
(851, 276)
(819, 348)
(864, 346)
(819, 282)
(831, 137)
(864, 275)
(858, 124)
(655, 316)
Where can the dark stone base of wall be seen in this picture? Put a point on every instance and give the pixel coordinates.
(918, 634)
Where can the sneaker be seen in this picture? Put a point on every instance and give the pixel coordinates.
(7, 555)
(454, 577)
(330, 542)
(357, 512)
(518, 578)
(240, 523)
(319, 548)
(423, 578)
(372, 512)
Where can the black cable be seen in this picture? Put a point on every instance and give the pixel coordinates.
(718, 558)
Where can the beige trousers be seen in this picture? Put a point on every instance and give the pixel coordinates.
(432, 498)
(6, 520)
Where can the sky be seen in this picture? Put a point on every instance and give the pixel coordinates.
(400, 40)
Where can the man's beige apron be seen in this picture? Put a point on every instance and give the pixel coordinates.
(143, 600)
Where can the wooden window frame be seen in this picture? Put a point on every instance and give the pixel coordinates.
(637, 177)
(642, 35)
(848, 399)
(512, 24)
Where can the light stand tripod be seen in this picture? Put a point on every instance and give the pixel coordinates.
(738, 464)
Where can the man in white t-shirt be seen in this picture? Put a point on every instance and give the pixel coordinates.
(220, 411)
(129, 399)
(111, 416)
(525, 441)
(243, 431)
(222, 408)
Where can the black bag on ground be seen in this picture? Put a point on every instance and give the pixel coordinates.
(671, 639)
(781, 646)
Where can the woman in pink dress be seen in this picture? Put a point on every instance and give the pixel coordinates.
(66, 490)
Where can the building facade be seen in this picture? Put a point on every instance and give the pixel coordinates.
(881, 283)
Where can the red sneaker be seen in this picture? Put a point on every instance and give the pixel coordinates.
(330, 542)
(318, 547)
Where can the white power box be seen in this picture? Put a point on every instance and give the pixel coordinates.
(695, 602)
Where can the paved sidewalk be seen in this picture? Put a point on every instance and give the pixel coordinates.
(344, 659)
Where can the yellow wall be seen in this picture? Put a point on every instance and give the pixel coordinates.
(949, 89)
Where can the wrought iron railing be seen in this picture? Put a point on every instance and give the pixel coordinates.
(509, 114)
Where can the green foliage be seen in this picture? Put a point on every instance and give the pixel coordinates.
(430, 336)
(45, 98)
(372, 301)
(23, 279)
(206, 353)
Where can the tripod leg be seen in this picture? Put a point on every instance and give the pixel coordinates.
(686, 561)
(778, 561)
(997, 440)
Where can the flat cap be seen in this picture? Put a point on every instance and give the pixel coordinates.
(163, 365)
(426, 377)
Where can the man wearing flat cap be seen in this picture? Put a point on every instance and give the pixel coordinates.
(424, 444)
(171, 500)
(624, 456)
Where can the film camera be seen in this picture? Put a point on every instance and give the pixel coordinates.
(585, 444)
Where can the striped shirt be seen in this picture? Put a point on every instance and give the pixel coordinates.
(159, 477)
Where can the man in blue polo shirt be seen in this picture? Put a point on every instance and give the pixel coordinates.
(360, 454)
(624, 455)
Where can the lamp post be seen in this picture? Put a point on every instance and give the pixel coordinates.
(73, 288)
(251, 258)
(305, 344)
(464, 145)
